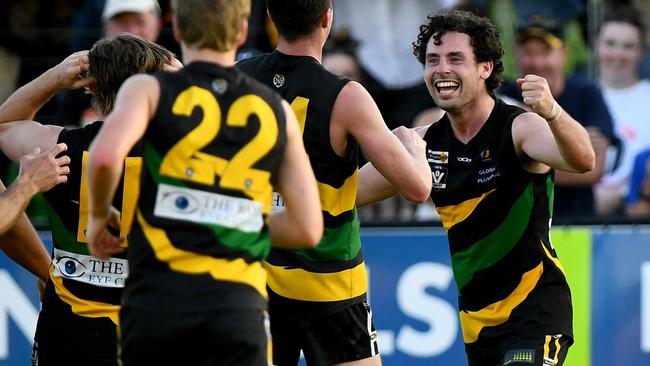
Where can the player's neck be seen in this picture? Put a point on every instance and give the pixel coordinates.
(467, 121)
(225, 59)
(306, 46)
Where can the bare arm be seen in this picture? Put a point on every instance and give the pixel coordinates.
(19, 138)
(373, 186)
(559, 141)
(300, 224)
(22, 244)
(27, 100)
(38, 173)
(600, 144)
(135, 104)
(356, 113)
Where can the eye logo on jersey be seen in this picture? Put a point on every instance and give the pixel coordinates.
(439, 175)
(70, 267)
(88, 269)
(220, 86)
(437, 157)
(278, 80)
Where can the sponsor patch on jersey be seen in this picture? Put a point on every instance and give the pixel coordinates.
(278, 202)
(486, 175)
(90, 270)
(439, 175)
(278, 80)
(202, 207)
(519, 356)
(437, 157)
(463, 159)
(486, 155)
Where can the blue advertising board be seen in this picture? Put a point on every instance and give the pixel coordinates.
(413, 296)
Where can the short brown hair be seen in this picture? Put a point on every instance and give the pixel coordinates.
(115, 58)
(212, 24)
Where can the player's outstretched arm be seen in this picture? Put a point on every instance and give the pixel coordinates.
(551, 136)
(127, 123)
(404, 165)
(38, 173)
(373, 186)
(27, 100)
(300, 224)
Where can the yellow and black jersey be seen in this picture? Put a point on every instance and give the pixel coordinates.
(497, 216)
(211, 154)
(333, 272)
(89, 287)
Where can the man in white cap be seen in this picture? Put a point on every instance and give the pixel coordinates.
(140, 17)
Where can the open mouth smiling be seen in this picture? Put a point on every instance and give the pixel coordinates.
(446, 87)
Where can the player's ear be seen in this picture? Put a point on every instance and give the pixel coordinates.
(486, 69)
(243, 33)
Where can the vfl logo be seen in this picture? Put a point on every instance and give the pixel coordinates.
(278, 80)
(439, 175)
(437, 157)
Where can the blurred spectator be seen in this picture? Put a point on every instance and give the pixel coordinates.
(140, 17)
(638, 200)
(541, 51)
(619, 48)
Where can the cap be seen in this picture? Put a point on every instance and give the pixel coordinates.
(542, 29)
(114, 7)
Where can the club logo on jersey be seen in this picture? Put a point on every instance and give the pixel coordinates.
(486, 175)
(278, 80)
(439, 175)
(486, 155)
(220, 86)
(437, 157)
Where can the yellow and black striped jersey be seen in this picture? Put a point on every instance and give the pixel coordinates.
(210, 157)
(88, 287)
(334, 272)
(497, 217)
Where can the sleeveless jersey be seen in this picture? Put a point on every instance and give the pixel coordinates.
(334, 271)
(210, 156)
(497, 217)
(90, 287)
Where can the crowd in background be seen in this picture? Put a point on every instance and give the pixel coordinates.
(592, 53)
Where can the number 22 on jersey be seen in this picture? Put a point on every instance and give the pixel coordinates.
(185, 161)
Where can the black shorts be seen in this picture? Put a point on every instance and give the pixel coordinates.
(548, 350)
(225, 337)
(343, 336)
(64, 338)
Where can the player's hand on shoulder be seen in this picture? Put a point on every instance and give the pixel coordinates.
(536, 95)
(102, 242)
(45, 170)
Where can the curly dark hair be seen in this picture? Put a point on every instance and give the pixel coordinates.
(483, 35)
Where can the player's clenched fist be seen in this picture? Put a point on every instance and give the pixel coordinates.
(536, 94)
(411, 140)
